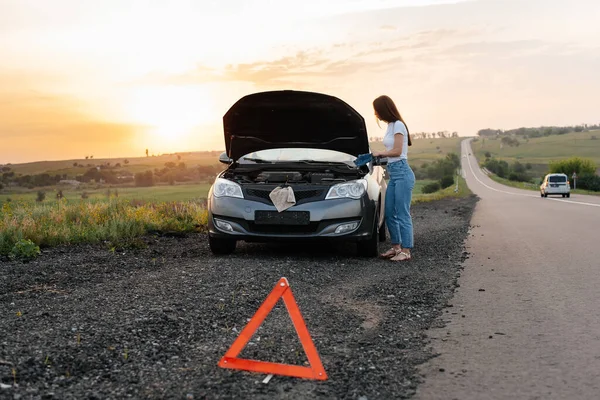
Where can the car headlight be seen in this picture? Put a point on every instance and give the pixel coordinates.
(348, 190)
(225, 188)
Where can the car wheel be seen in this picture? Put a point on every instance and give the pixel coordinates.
(563, 196)
(382, 233)
(545, 194)
(568, 194)
(541, 194)
(369, 247)
(221, 246)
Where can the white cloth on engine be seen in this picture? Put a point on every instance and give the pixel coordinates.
(282, 197)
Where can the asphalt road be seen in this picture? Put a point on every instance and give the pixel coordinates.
(525, 321)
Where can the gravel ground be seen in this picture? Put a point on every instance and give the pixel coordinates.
(84, 322)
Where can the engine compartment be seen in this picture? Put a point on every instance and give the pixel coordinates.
(293, 176)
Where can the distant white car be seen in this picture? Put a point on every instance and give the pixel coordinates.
(555, 184)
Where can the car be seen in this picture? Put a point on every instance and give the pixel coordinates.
(555, 184)
(304, 142)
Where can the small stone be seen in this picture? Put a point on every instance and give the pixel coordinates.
(442, 370)
(482, 290)
(491, 337)
(463, 315)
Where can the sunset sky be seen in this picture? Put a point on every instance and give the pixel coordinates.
(111, 78)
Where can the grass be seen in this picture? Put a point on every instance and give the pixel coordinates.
(540, 151)
(136, 164)
(535, 187)
(154, 194)
(427, 150)
(114, 220)
(463, 191)
(137, 211)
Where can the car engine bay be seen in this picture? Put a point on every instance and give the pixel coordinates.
(329, 176)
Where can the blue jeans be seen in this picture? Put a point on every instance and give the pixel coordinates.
(397, 203)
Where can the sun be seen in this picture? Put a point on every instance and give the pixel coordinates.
(170, 112)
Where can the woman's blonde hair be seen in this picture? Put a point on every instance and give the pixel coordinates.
(386, 111)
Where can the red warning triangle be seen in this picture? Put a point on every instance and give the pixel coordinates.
(315, 371)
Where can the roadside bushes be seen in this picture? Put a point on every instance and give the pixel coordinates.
(446, 181)
(431, 187)
(498, 167)
(442, 167)
(441, 170)
(588, 182)
(581, 166)
(585, 169)
(514, 172)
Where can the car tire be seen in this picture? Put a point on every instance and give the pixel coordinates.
(541, 194)
(568, 194)
(545, 194)
(382, 233)
(221, 246)
(369, 247)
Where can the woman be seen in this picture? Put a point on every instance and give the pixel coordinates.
(401, 182)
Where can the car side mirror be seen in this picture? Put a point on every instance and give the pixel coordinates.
(223, 158)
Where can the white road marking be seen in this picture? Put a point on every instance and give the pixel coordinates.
(523, 194)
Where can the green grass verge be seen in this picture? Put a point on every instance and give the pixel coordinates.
(532, 186)
(114, 221)
(154, 194)
(427, 150)
(540, 151)
(463, 191)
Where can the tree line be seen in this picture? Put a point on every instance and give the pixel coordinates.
(170, 173)
(537, 132)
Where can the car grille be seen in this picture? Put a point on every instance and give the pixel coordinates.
(301, 195)
(284, 229)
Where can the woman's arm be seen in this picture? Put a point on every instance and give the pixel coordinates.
(396, 151)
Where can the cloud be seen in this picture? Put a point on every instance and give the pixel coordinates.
(336, 61)
(498, 47)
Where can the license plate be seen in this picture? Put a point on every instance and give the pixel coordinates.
(282, 218)
(554, 185)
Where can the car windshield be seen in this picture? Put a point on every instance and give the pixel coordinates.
(557, 178)
(297, 155)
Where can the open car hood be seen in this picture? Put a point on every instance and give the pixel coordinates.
(296, 119)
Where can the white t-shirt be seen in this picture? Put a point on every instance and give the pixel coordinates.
(394, 128)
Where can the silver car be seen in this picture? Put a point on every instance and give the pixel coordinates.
(300, 142)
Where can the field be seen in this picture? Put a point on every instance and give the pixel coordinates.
(155, 194)
(427, 150)
(422, 150)
(540, 151)
(97, 212)
(133, 165)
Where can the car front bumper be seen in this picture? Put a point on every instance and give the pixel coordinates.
(557, 190)
(325, 217)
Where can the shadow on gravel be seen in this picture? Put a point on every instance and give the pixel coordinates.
(152, 322)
